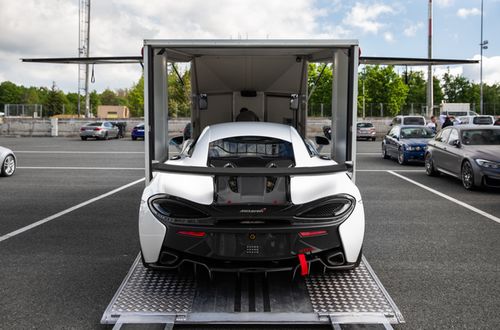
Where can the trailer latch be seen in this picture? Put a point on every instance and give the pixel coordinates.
(304, 266)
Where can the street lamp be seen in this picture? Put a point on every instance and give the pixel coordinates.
(482, 45)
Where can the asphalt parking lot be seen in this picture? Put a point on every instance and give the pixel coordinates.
(66, 242)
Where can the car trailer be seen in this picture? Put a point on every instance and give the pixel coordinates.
(269, 76)
(354, 297)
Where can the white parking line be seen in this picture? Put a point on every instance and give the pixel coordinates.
(78, 168)
(370, 153)
(451, 199)
(71, 209)
(74, 152)
(401, 170)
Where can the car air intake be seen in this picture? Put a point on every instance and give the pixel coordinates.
(334, 208)
(169, 208)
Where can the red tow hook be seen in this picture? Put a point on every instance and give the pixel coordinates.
(304, 266)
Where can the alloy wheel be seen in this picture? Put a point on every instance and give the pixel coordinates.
(9, 165)
(467, 176)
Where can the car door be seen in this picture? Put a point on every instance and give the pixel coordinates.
(393, 142)
(439, 144)
(452, 153)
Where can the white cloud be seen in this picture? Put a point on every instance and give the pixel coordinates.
(464, 12)
(411, 30)
(444, 3)
(367, 17)
(491, 70)
(33, 28)
(389, 37)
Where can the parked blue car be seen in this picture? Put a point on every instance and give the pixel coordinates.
(406, 143)
(138, 132)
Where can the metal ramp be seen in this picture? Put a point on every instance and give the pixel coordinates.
(168, 298)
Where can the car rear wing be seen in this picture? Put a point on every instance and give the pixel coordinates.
(251, 171)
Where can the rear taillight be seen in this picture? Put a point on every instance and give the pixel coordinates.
(82, 129)
(314, 233)
(97, 129)
(191, 233)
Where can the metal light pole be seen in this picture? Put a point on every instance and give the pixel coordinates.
(430, 81)
(482, 46)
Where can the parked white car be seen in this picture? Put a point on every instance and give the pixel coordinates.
(251, 196)
(8, 162)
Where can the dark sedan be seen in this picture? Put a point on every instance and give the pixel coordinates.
(470, 153)
(406, 143)
(138, 132)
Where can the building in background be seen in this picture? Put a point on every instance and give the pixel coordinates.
(113, 111)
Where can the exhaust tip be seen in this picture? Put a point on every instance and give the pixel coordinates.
(336, 259)
(167, 258)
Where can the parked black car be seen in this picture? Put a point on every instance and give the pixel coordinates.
(406, 143)
(470, 153)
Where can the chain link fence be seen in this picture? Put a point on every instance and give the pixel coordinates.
(23, 110)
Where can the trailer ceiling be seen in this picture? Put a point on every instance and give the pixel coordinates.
(312, 50)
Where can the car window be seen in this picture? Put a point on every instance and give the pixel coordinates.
(95, 124)
(365, 125)
(108, 125)
(482, 120)
(453, 136)
(413, 121)
(253, 151)
(416, 132)
(444, 135)
(481, 137)
(394, 132)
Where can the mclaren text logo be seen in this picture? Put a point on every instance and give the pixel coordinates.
(253, 211)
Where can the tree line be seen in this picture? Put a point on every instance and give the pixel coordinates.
(380, 89)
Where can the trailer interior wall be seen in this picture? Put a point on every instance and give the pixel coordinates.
(261, 75)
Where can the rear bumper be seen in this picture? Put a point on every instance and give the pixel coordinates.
(95, 134)
(250, 249)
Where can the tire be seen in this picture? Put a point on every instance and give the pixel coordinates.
(401, 157)
(384, 152)
(84, 138)
(8, 166)
(430, 170)
(134, 138)
(467, 175)
(373, 139)
(105, 136)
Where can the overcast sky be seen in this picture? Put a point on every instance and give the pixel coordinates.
(49, 28)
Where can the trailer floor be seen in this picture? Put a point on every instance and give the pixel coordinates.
(189, 297)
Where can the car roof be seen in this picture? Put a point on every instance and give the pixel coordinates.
(272, 130)
(474, 127)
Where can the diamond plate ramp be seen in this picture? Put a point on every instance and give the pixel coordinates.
(345, 297)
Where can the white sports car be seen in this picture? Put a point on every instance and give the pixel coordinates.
(251, 196)
(8, 162)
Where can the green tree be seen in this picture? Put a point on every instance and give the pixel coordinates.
(179, 91)
(417, 88)
(385, 88)
(320, 77)
(55, 103)
(10, 93)
(135, 98)
(94, 102)
(108, 97)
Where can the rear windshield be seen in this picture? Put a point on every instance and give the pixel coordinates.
(416, 132)
(482, 120)
(95, 124)
(481, 137)
(365, 125)
(250, 151)
(413, 121)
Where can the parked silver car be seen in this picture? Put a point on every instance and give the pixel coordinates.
(8, 162)
(102, 130)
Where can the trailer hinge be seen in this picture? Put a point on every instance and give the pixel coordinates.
(167, 320)
(336, 320)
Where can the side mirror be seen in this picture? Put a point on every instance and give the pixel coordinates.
(456, 143)
(177, 140)
(203, 101)
(321, 140)
(294, 102)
